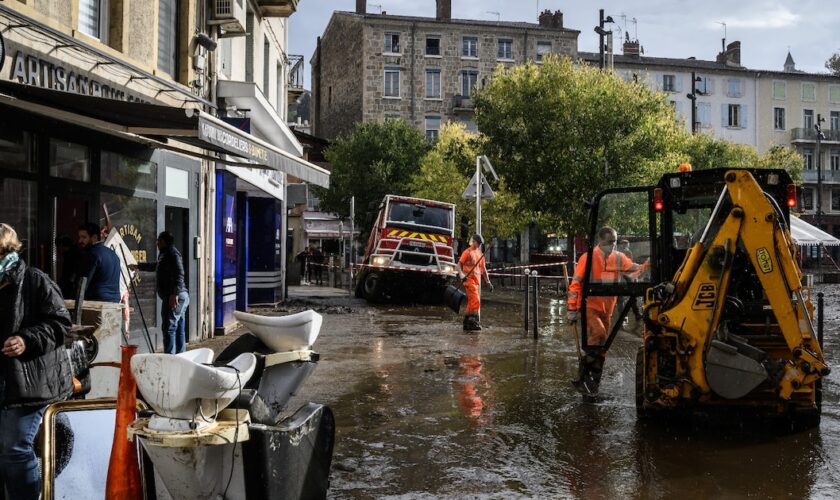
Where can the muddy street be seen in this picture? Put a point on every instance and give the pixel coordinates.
(425, 410)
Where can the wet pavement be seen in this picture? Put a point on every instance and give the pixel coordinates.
(424, 410)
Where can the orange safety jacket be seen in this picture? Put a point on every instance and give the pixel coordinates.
(469, 260)
(607, 269)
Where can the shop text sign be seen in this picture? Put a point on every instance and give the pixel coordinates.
(31, 70)
(232, 142)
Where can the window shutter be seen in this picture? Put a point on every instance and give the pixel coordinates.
(724, 115)
(678, 85)
(249, 48)
(167, 32)
(741, 85)
(710, 85)
(744, 116)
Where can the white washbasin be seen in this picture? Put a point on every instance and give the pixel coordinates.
(294, 332)
(181, 387)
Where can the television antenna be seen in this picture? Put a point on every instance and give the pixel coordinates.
(497, 14)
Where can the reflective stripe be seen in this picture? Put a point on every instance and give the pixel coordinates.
(573, 295)
(578, 279)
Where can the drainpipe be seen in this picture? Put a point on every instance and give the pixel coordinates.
(413, 79)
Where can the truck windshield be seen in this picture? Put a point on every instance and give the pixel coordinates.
(413, 215)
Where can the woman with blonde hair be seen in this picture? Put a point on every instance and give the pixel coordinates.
(34, 367)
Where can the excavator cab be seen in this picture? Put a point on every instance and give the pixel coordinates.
(726, 320)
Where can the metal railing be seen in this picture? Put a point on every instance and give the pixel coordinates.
(295, 66)
(827, 175)
(810, 135)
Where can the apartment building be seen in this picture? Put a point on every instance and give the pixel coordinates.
(372, 67)
(761, 108)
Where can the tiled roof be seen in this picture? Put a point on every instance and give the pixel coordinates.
(468, 22)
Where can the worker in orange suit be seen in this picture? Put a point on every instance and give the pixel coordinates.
(609, 265)
(472, 269)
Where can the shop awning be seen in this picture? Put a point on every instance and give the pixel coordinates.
(156, 125)
(805, 234)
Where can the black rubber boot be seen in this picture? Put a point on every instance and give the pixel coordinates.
(471, 323)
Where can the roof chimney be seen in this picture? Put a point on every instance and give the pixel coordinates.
(361, 7)
(631, 47)
(557, 20)
(444, 10)
(731, 56)
(546, 19)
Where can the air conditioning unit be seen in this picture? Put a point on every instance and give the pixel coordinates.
(229, 16)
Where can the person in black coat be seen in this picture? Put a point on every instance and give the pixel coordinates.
(34, 367)
(172, 290)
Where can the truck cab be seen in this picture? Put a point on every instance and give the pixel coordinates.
(410, 251)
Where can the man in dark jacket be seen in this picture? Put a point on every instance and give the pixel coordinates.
(102, 266)
(172, 290)
(34, 367)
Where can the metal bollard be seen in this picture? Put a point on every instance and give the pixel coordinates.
(820, 307)
(331, 272)
(526, 304)
(536, 307)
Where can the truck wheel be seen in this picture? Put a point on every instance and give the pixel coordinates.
(373, 287)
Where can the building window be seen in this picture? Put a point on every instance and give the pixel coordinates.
(704, 114)
(733, 88)
(470, 46)
(16, 146)
(125, 172)
(543, 49)
(167, 56)
(779, 90)
(834, 94)
(469, 79)
(669, 83)
(808, 159)
(432, 127)
(266, 62)
(392, 117)
(392, 82)
(392, 43)
(226, 57)
(779, 118)
(835, 200)
(281, 98)
(835, 160)
(19, 210)
(809, 92)
(432, 46)
(433, 84)
(734, 116)
(834, 120)
(93, 19)
(69, 160)
(807, 199)
(505, 49)
(705, 86)
(808, 118)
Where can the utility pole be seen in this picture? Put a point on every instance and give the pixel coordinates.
(820, 137)
(601, 34)
(693, 98)
(478, 186)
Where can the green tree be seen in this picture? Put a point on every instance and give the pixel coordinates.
(375, 159)
(833, 64)
(447, 169)
(561, 133)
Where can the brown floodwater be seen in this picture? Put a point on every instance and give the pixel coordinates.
(424, 410)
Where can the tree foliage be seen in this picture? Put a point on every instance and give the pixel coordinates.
(375, 159)
(561, 133)
(445, 173)
(704, 151)
(833, 64)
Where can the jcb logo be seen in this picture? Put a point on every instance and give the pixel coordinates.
(765, 263)
(706, 297)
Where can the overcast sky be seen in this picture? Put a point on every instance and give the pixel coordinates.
(666, 28)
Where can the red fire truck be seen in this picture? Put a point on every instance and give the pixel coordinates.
(410, 254)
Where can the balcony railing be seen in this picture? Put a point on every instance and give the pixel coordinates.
(277, 8)
(295, 66)
(827, 175)
(810, 135)
(463, 104)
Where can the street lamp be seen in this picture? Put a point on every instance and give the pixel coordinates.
(820, 138)
(601, 34)
(693, 98)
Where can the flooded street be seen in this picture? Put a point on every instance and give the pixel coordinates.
(425, 410)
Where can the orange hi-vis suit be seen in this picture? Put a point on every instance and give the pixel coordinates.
(473, 265)
(599, 310)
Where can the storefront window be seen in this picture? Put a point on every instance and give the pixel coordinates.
(136, 220)
(128, 173)
(69, 160)
(16, 149)
(18, 210)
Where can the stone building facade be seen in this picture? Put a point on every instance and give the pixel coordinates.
(372, 67)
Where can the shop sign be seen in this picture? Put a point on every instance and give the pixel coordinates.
(38, 72)
(233, 142)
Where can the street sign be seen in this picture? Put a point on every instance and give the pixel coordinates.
(486, 191)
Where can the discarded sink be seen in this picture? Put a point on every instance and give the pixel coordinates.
(283, 333)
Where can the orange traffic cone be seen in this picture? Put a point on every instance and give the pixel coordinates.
(123, 470)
